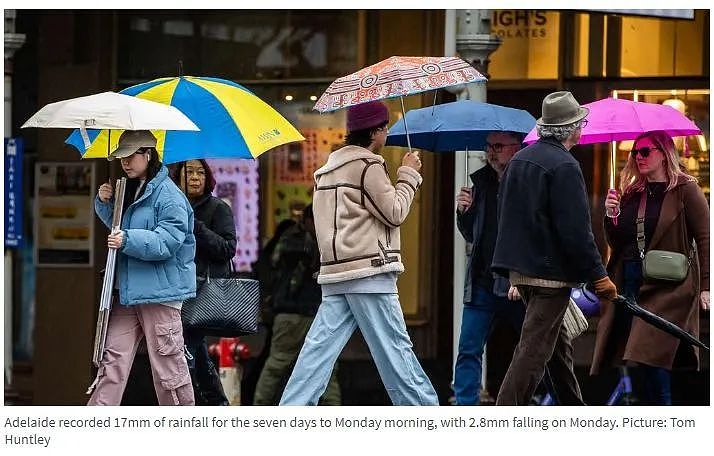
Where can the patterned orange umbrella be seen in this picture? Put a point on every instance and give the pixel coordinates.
(396, 77)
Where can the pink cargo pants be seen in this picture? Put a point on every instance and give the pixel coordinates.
(164, 339)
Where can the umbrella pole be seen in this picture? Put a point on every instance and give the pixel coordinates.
(613, 170)
(466, 167)
(109, 151)
(406, 127)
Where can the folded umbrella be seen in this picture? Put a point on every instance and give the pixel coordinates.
(658, 322)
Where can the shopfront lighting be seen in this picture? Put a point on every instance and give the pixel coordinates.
(676, 103)
(702, 141)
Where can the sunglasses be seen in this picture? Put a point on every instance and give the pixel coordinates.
(643, 151)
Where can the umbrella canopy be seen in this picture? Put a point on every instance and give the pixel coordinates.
(461, 125)
(615, 119)
(659, 322)
(111, 111)
(396, 77)
(233, 122)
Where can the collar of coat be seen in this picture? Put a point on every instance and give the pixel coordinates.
(345, 155)
(153, 183)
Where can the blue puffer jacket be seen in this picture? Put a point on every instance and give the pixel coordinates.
(155, 263)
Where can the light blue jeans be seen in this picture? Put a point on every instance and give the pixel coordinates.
(379, 317)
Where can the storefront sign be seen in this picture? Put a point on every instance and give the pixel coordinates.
(530, 46)
(13, 192)
(520, 23)
(64, 222)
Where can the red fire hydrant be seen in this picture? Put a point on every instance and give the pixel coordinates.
(230, 352)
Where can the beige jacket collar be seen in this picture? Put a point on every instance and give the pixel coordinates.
(345, 155)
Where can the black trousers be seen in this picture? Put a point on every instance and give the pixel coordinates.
(207, 387)
(543, 348)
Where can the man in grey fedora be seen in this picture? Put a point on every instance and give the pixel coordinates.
(545, 246)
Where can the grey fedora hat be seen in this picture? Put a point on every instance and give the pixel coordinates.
(561, 108)
(132, 140)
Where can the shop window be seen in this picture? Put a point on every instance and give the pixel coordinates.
(581, 47)
(530, 44)
(238, 45)
(663, 47)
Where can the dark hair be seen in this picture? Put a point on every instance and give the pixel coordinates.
(363, 138)
(152, 169)
(210, 180)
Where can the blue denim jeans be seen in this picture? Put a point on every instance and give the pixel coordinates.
(476, 324)
(658, 380)
(379, 317)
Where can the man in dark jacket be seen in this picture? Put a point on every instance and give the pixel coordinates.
(545, 246)
(296, 297)
(486, 295)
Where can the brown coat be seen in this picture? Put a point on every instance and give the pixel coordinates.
(358, 213)
(684, 217)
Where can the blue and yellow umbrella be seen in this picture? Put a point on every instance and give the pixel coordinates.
(233, 122)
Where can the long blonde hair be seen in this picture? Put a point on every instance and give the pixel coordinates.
(630, 178)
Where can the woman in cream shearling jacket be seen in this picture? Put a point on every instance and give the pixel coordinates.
(357, 217)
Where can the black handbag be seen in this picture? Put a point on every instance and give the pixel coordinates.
(223, 307)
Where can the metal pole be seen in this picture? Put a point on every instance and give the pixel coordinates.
(406, 127)
(473, 41)
(13, 42)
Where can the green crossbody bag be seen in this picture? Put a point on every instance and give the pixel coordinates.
(659, 265)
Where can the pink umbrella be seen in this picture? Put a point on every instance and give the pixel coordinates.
(615, 119)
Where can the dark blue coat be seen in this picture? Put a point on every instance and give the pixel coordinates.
(544, 226)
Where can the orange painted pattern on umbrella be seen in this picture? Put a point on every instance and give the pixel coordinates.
(394, 77)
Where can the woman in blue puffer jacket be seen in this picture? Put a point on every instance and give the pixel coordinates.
(155, 273)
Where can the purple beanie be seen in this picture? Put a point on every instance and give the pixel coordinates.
(366, 115)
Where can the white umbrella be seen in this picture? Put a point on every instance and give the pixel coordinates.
(112, 111)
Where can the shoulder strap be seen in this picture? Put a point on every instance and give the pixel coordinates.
(641, 223)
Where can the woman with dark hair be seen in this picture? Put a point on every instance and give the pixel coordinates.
(675, 214)
(155, 274)
(215, 233)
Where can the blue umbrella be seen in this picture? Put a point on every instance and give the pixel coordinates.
(461, 125)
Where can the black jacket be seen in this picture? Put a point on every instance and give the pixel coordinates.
(471, 225)
(544, 226)
(215, 236)
(296, 259)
